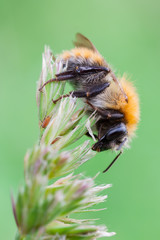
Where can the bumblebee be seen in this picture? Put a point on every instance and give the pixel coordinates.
(115, 100)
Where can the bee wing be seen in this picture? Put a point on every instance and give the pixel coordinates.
(82, 41)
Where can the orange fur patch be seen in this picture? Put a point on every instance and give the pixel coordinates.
(98, 59)
(87, 54)
(66, 55)
(130, 109)
(78, 53)
(83, 53)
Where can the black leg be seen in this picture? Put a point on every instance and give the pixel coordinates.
(107, 114)
(58, 79)
(63, 96)
(77, 72)
(91, 92)
(91, 70)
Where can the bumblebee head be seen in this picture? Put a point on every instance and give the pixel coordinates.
(114, 138)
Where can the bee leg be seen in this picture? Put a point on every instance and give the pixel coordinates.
(59, 77)
(91, 70)
(91, 92)
(77, 72)
(63, 96)
(78, 94)
(109, 114)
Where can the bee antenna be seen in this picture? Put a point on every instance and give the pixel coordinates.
(112, 162)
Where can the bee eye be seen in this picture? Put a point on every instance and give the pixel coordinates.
(116, 132)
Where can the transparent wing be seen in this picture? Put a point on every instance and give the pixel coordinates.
(82, 41)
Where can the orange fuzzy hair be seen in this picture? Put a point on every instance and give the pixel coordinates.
(80, 52)
(131, 109)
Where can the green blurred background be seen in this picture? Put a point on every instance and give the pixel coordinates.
(127, 33)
